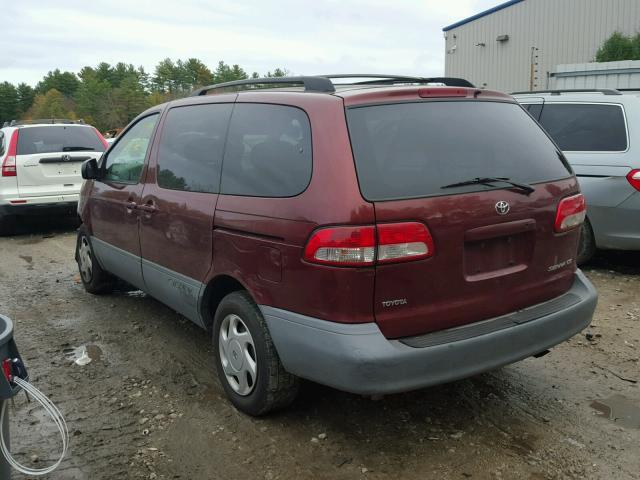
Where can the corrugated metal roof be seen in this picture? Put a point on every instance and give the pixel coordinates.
(481, 14)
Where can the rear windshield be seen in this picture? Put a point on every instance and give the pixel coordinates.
(411, 150)
(58, 138)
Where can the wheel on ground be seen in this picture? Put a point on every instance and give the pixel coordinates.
(93, 277)
(7, 224)
(587, 243)
(246, 359)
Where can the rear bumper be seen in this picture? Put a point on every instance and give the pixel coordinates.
(40, 208)
(359, 359)
(617, 228)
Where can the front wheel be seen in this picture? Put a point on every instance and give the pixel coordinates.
(246, 359)
(94, 279)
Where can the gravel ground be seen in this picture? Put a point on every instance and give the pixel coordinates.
(149, 405)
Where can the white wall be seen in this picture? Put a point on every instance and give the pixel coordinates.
(564, 31)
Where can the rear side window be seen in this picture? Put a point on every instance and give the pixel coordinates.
(411, 150)
(58, 138)
(191, 148)
(585, 127)
(268, 152)
(2, 146)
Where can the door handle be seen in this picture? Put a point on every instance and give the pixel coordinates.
(148, 208)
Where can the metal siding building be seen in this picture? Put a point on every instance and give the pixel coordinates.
(541, 35)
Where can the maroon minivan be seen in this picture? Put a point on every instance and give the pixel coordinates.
(377, 236)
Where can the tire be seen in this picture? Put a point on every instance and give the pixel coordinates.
(266, 386)
(94, 279)
(7, 224)
(586, 244)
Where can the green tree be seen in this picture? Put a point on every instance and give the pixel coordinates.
(26, 94)
(9, 102)
(197, 73)
(52, 104)
(618, 47)
(164, 78)
(279, 72)
(635, 45)
(64, 82)
(225, 73)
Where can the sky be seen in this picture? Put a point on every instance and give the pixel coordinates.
(305, 37)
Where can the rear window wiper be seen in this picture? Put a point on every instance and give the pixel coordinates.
(525, 188)
(76, 149)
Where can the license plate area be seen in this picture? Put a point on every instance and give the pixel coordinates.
(498, 250)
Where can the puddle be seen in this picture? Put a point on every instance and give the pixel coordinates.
(619, 410)
(84, 354)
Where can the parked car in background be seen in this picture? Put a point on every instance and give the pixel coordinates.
(599, 132)
(375, 237)
(40, 162)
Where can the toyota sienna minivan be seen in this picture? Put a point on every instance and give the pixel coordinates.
(376, 235)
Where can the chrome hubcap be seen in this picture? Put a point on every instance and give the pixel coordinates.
(84, 260)
(238, 355)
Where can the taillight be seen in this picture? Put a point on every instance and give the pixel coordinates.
(345, 246)
(634, 178)
(365, 245)
(9, 162)
(101, 137)
(571, 213)
(401, 242)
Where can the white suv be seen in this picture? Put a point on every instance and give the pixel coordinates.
(40, 166)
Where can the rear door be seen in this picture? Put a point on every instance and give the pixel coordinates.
(49, 158)
(179, 200)
(495, 247)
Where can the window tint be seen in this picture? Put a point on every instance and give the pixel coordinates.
(534, 109)
(191, 147)
(125, 160)
(585, 128)
(2, 147)
(58, 138)
(414, 149)
(268, 152)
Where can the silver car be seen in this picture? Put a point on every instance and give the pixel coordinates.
(599, 133)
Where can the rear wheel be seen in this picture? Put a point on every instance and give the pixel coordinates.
(246, 359)
(587, 243)
(94, 279)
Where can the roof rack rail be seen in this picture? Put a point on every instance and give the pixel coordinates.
(310, 84)
(383, 79)
(604, 91)
(15, 123)
(323, 83)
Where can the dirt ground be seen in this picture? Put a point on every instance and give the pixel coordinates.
(150, 406)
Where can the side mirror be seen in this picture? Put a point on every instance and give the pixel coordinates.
(90, 170)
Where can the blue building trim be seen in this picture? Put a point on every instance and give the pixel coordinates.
(481, 14)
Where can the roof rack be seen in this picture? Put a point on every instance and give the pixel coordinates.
(323, 83)
(381, 79)
(604, 91)
(310, 84)
(15, 123)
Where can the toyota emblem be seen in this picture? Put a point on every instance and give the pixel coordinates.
(502, 207)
